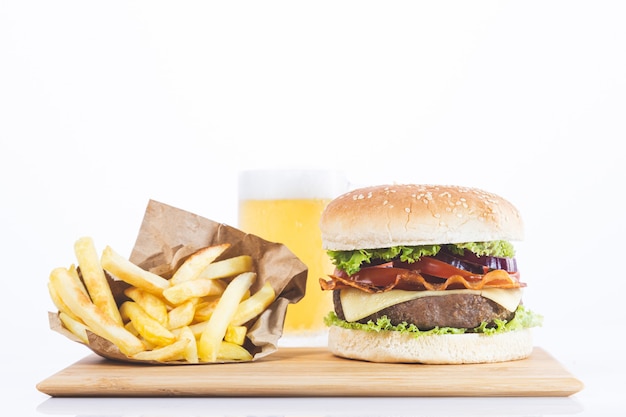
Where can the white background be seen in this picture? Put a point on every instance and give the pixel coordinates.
(105, 105)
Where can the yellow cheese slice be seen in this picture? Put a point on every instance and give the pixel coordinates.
(357, 304)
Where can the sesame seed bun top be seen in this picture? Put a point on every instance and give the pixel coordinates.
(411, 214)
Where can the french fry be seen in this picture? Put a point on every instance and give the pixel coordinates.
(253, 306)
(213, 334)
(149, 328)
(74, 274)
(233, 352)
(94, 278)
(92, 316)
(131, 273)
(150, 303)
(198, 328)
(205, 309)
(59, 304)
(172, 352)
(236, 334)
(190, 353)
(74, 326)
(227, 268)
(179, 293)
(182, 315)
(131, 328)
(196, 262)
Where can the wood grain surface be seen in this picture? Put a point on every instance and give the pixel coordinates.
(308, 372)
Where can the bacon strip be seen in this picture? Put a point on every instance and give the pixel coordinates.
(412, 280)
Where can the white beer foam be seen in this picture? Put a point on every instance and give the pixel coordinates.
(291, 183)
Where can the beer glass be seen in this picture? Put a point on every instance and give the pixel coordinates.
(284, 206)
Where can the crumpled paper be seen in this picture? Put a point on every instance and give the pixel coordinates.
(168, 235)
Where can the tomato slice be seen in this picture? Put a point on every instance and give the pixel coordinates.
(434, 267)
(379, 276)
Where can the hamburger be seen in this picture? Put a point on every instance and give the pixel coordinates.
(425, 274)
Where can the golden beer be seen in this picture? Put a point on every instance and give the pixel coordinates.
(283, 208)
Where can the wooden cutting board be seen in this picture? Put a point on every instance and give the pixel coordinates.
(307, 372)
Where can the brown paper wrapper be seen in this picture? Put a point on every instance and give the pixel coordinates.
(168, 235)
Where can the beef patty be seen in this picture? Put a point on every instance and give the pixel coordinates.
(454, 310)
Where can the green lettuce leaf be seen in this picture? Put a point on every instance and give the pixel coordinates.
(499, 248)
(352, 261)
(524, 318)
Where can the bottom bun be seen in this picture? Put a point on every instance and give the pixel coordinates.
(390, 346)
